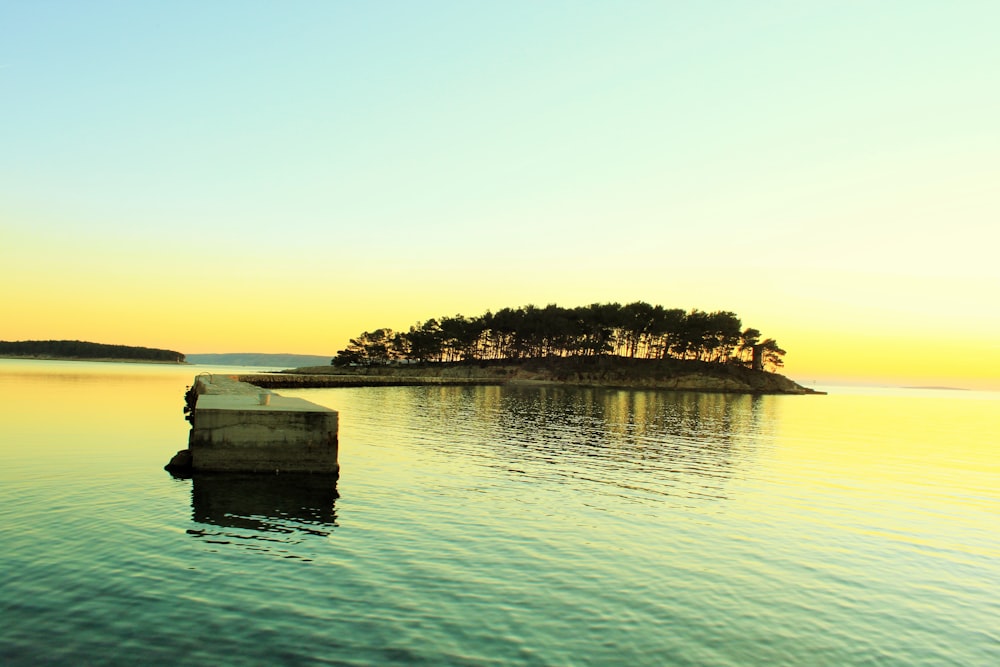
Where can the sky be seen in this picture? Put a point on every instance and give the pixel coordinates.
(278, 177)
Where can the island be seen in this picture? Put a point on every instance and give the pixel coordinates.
(77, 350)
(633, 346)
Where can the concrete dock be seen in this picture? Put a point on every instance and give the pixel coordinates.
(239, 427)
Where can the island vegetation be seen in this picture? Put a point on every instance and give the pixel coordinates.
(82, 350)
(632, 331)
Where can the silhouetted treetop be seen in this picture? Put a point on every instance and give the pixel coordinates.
(635, 330)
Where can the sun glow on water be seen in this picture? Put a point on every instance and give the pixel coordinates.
(485, 524)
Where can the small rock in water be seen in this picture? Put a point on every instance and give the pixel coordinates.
(180, 462)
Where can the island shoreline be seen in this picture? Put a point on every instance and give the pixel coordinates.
(605, 373)
(96, 359)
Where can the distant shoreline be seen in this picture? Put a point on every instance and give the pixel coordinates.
(937, 388)
(81, 350)
(25, 357)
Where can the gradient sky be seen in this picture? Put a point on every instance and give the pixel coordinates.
(278, 177)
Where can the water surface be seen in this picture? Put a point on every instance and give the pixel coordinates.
(503, 525)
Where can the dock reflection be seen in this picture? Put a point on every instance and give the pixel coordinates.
(282, 504)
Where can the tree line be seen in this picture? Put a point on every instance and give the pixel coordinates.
(77, 349)
(635, 330)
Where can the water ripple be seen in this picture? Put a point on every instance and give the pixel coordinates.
(488, 525)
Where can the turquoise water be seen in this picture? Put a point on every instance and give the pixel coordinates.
(487, 525)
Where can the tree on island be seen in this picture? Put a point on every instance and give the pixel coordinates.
(636, 331)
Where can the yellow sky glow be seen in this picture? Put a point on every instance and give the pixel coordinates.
(820, 172)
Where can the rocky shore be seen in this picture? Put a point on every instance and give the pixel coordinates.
(587, 372)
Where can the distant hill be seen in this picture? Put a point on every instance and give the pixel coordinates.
(82, 350)
(258, 359)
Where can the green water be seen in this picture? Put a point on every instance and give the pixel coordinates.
(487, 525)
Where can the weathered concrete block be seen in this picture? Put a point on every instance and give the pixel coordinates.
(239, 433)
(238, 427)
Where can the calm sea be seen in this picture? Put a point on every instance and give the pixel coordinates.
(496, 526)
